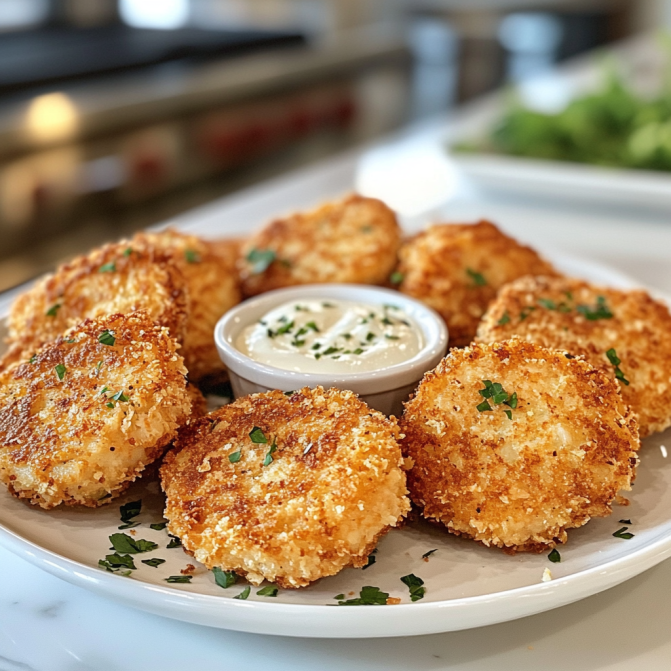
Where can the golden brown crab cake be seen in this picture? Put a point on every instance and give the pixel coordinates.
(212, 283)
(286, 488)
(627, 334)
(111, 279)
(514, 443)
(457, 269)
(353, 241)
(83, 417)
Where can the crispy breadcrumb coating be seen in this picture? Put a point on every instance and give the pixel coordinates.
(565, 313)
(331, 488)
(111, 279)
(519, 475)
(354, 240)
(457, 269)
(81, 419)
(212, 283)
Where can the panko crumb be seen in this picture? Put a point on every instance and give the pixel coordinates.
(457, 269)
(547, 575)
(81, 419)
(285, 515)
(516, 472)
(189, 569)
(354, 240)
(592, 321)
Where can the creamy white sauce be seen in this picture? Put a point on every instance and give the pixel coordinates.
(331, 336)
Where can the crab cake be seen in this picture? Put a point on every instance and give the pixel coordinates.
(83, 417)
(286, 488)
(514, 443)
(627, 334)
(212, 284)
(112, 279)
(354, 240)
(457, 269)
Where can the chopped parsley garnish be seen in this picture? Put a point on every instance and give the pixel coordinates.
(331, 350)
(396, 277)
(601, 311)
(125, 543)
(234, 457)
(179, 578)
(257, 436)
(504, 320)
(117, 563)
(371, 561)
(347, 336)
(313, 326)
(368, 596)
(478, 278)
(269, 455)
(297, 343)
(370, 336)
(415, 585)
(106, 338)
(51, 312)
(268, 590)
(337, 597)
(154, 562)
(127, 512)
(128, 251)
(158, 526)
(32, 358)
(554, 556)
(623, 533)
(358, 350)
(317, 345)
(547, 304)
(244, 594)
(69, 341)
(426, 555)
(191, 256)
(391, 337)
(174, 542)
(327, 305)
(526, 312)
(60, 371)
(107, 267)
(110, 404)
(495, 393)
(614, 359)
(224, 578)
(120, 396)
(99, 365)
(624, 521)
(285, 329)
(261, 259)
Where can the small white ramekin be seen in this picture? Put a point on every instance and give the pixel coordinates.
(385, 389)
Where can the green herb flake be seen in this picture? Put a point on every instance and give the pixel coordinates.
(191, 256)
(107, 268)
(370, 336)
(332, 350)
(426, 555)
(358, 350)
(128, 511)
(99, 366)
(368, 596)
(415, 585)
(110, 405)
(601, 311)
(234, 457)
(60, 371)
(391, 337)
(261, 259)
(371, 561)
(504, 320)
(174, 542)
(268, 590)
(337, 597)
(624, 521)
(224, 578)
(554, 556)
(125, 543)
(547, 304)
(326, 304)
(313, 326)
(117, 561)
(614, 359)
(106, 338)
(526, 312)
(285, 329)
(179, 578)
(257, 436)
(158, 526)
(155, 562)
(269, 455)
(509, 414)
(128, 251)
(484, 407)
(244, 594)
(51, 312)
(396, 277)
(120, 396)
(478, 278)
(623, 533)
(32, 358)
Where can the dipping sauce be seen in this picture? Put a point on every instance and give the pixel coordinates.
(332, 336)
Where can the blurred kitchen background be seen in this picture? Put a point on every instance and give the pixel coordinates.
(118, 114)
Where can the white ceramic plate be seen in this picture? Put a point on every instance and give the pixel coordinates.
(467, 585)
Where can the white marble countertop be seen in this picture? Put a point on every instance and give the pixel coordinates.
(49, 625)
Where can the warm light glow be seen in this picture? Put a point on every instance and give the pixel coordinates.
(158, 14)
(52, 117)
(412, 177)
